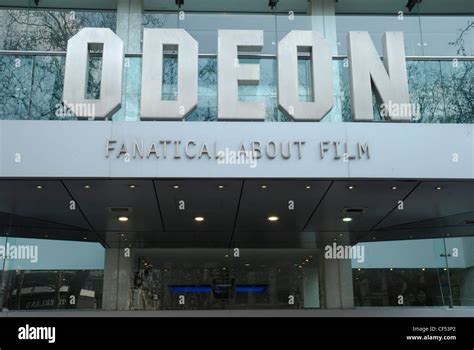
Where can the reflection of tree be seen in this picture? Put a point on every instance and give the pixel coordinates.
(48, 30)
(155, 20)
(207, 91)
(459, 42)
(443, 89)
(32, 85)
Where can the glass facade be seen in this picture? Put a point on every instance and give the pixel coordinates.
(433, 272)
(442, 88)
(54, 275)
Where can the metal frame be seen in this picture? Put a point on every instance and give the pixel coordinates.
(212, 55)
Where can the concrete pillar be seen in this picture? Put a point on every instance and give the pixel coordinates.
(323, 20)
(337, 290)
(129, 29)
(118, 279)
(335, 275)
(273, 290)
(129, 24)
(311, 288)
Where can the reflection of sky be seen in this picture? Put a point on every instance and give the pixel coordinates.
(417, 253)
(57, 255)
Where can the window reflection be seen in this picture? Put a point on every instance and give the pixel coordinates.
(47, 30)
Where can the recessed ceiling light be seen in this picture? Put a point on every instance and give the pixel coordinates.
(300, 266)
(85, 238)
(307, 260)
(220, 187)
(358, 269)
(438, 188)
(45, 236)
(247, 265)
(445, 269)
(391, 269)
(123, 218)
(350, 187)
(341, 234)
(122, 235)
(263, 186)
(347, 219)
(87, 187)
(423, 269)
(199, 219)
(224, 268)
(132, 186)
(226, 256)
(39, 187)
(273, 218)
(175, 187)
(394, 188)
(308, 187)
(374, 238)
(447, 234)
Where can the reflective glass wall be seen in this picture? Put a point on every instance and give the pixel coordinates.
(32, 81)
(215, 279)
(430, 272)
(44, 274)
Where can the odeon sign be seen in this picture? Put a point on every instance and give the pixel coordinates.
(366, 70)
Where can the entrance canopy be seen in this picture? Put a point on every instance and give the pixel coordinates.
(147, 213)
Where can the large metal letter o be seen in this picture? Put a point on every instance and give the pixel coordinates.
(75, 79)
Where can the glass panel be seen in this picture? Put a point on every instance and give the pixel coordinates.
(49, 30)
(287, 23)
(426, 89)
(207, 91)
(206, 279)
(41, 274)
(203, 27)
(32, 89)
(160, 20)
(376, 25)
(458, 90)
(460, 258)
(401, 273)
(447, 35)
(13, 29)
(47, 89)
(16, 74)
(265, 91)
